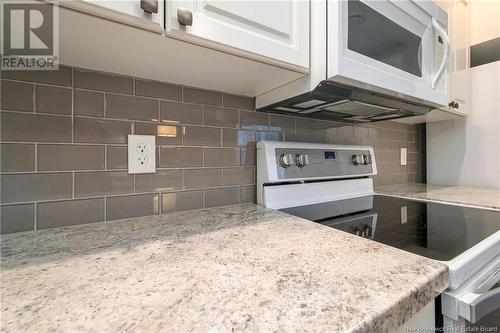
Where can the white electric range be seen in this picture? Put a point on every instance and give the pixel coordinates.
(332, 185)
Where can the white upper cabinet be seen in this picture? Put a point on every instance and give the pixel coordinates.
(275, 32)
(459, 66)
(141, 14)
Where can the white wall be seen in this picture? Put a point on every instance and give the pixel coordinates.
(467, 151)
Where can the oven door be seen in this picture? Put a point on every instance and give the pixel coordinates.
(394, 47)
(476, 298)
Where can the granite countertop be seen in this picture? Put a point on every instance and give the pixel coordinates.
(227, 269)
(472, 196)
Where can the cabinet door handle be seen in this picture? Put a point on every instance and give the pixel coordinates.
(184, 16)
(150, 6)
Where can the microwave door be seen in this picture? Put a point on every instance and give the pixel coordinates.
(373, 34)
(386, 46)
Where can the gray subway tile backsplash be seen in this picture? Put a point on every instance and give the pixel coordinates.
(70, 157)
(248, 157)
(61, 77)
(201, 136)
(116, 157)
(157, 89)
(132, 206)
(17, 96)
(221, 196)
(202, 178)
(31, 127)
(103, 81)
(238, 176)
(238, 102)
(254, 120)
(181, 112)
(91, 184)
(222, 117)
(91, 130)
(152, 129)
(54, 100)
(160, 181)
(219, 157)
(27, 187)
(131, 107)
(88, 103)
(177, 201)
(16, 218)
(237, 137)
(56, 213)
(201, 96)
(306, 126)
(282, 123)
(247, 193)
(181, 157)
(17, 157)
(64, 155)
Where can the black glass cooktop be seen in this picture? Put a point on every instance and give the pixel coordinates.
(437, 231)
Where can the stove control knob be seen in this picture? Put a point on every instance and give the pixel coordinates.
(302, 160)
(357, 159)
(286, 160)
(367, 159)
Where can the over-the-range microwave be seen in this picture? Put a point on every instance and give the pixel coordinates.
(370, 60)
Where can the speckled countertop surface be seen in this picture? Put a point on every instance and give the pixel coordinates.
(234, 268)
(473, 196)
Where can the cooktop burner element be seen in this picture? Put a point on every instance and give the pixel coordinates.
(434, 230)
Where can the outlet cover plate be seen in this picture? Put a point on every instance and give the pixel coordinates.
(141, 154)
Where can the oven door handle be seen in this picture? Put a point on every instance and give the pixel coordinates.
(442, 33)
(484, 304)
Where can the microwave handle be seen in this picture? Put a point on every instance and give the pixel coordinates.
(446, 54)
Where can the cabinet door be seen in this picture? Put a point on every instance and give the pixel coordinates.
(123, 11)
(270, 31)
(460, 57)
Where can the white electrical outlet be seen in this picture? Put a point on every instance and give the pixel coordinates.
(141, 154)
(403, 156)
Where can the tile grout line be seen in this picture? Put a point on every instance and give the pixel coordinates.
(36, 157)
(72, 106)
(159, 111)
(209, 167)
(135, 194)
(160, 203)
(142, 121)
(203, 198)
(38, 83)
(126, 93)
(35, 217)
(33, 99)
(105, 105)
(105, 218)
(106, 157)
